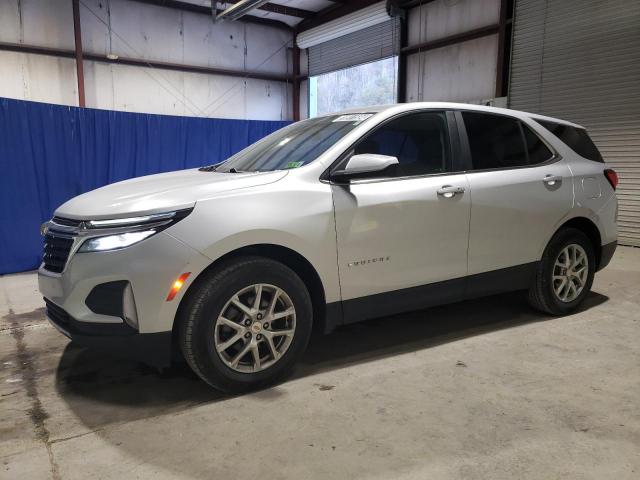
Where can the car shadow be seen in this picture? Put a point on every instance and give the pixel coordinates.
(93, 383)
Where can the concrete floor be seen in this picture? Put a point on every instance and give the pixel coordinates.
(482, 389)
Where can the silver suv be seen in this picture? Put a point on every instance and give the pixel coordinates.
(330, 221)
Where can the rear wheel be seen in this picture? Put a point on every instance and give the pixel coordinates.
(565, 274)
(245, 324)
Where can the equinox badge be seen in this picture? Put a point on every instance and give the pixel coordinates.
(371, 260)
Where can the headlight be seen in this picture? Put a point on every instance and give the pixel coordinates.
(124, 232)
(114, 242)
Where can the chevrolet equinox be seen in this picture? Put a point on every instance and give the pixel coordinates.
(329, 221)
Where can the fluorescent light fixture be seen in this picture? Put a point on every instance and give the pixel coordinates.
(240, 9)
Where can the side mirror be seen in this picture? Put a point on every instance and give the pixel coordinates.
(363, 164)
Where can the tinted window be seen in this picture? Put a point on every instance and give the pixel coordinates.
(420, 142)
(577, 139)
(536, 149)
(495, 141)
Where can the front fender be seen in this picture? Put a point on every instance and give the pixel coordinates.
(300, 219)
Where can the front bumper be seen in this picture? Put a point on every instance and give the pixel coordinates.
(118, 339)
(149, 268)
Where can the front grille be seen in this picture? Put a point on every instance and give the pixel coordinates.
(67, 222)
(56, 252)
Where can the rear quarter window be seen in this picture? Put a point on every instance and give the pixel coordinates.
(577, 139)
(538, 152)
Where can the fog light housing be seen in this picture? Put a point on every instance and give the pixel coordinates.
(114, 299)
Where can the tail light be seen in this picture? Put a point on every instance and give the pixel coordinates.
(612, 177)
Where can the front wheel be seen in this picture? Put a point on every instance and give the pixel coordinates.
(245, 324)
(565, 274)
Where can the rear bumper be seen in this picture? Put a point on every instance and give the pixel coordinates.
(606, 253)
(118, 339)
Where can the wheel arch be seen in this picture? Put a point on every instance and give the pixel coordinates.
(292, 259)
(590, 229)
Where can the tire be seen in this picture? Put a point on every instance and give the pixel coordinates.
(542, 294)
(205, 316)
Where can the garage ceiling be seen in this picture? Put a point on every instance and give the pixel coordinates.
(291, 13)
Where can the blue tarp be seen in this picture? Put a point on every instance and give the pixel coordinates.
(50, 153)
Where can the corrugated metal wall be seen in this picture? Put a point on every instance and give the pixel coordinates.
(580, 60)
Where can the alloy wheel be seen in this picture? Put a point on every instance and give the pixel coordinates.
(570, 272)
(255, 328)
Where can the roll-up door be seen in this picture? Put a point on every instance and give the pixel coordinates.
(579, 60)
(371, 43)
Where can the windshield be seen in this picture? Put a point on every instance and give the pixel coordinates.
(293, 146)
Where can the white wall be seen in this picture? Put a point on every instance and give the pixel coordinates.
(465, 72)
(144, 32)
(304, 99)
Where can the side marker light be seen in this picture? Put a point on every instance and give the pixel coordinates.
(177, 285)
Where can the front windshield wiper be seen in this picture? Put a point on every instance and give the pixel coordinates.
(214, 168)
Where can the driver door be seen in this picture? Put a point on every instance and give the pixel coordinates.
(402, 235)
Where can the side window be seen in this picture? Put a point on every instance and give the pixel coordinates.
(577, 139)
(420, 141)
(536, 149)
(495, 141)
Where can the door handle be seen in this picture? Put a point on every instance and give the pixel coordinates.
(551, 180)
(449, 191)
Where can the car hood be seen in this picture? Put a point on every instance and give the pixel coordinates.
(159, 193)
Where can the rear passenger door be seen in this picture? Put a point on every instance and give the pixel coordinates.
(520, 191)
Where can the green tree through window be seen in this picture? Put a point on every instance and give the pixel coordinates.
(373, 83)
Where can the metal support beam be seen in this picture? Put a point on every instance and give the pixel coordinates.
(55, 52)
(500, 65)
(78, 52)
(281, 9)
(295, 51)
(333, 12)
(193, 8)
(402, 62)
(414, 3)
(452, 40)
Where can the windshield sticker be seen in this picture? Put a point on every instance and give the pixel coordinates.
(353, 117)
(293, 165)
